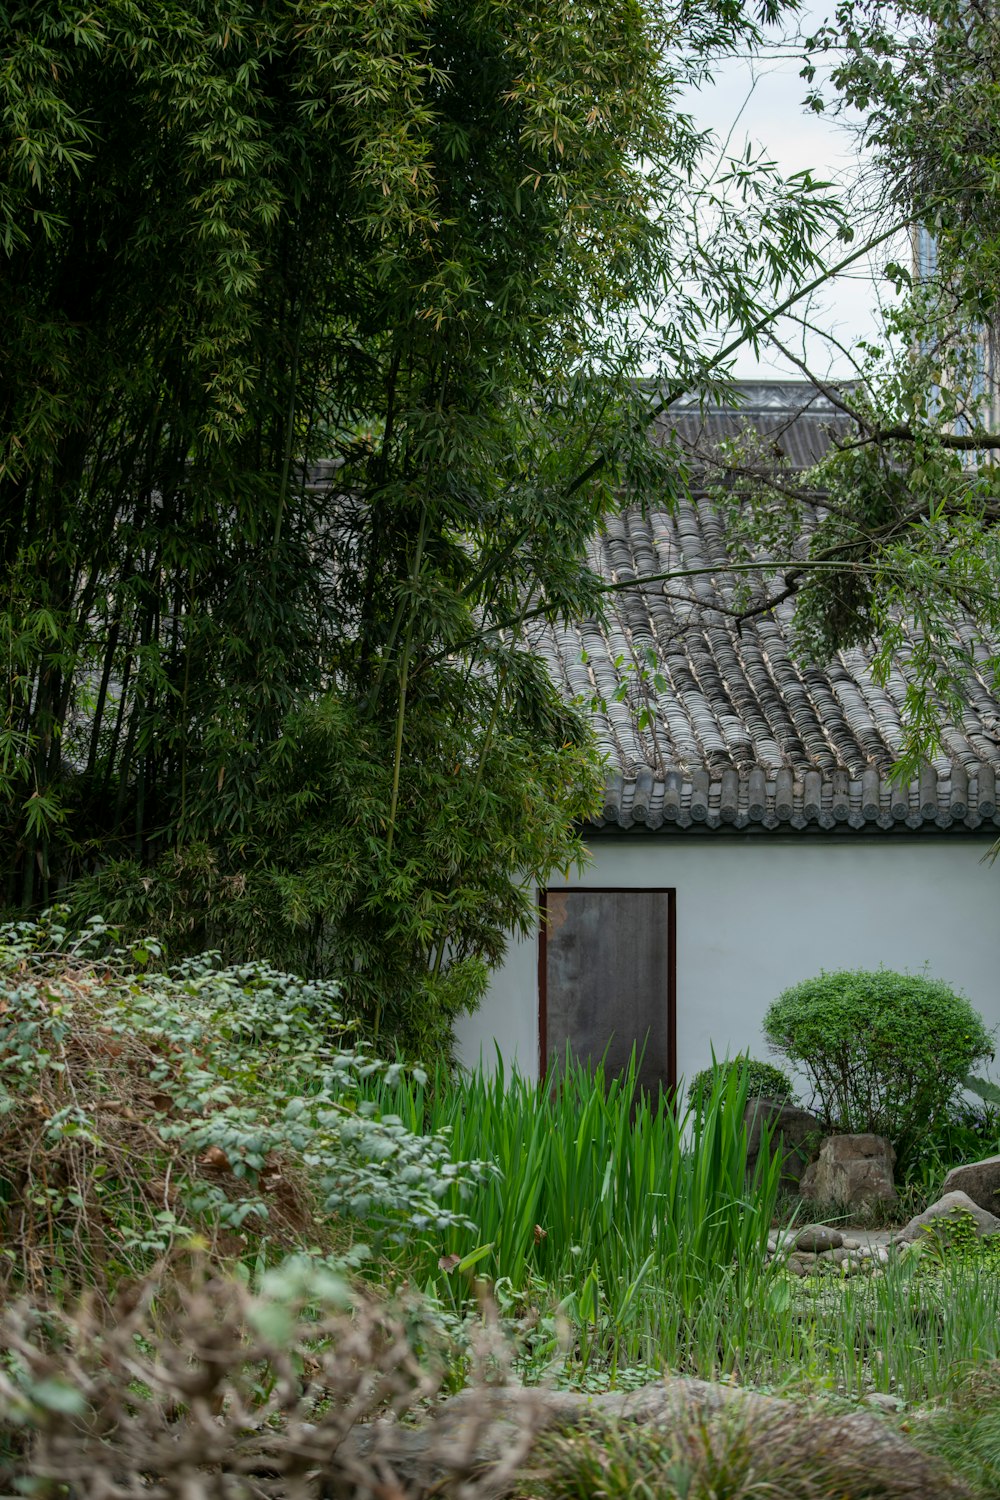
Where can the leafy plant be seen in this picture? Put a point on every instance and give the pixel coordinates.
(763, 1080)
(139, 1108)
(885, 1052)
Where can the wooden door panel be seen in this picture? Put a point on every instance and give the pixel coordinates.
(606, 979)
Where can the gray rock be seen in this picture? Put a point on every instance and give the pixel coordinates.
(980, 1179)
(936, 1218)
(855, 1170)
(794, 1131)
(883, 1401)
(817, 1238)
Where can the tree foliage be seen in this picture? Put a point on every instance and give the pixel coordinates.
(320, 327)
(906, 553)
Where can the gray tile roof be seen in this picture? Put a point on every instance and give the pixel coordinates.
(745, 734)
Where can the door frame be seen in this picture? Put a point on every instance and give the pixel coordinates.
(670, 892)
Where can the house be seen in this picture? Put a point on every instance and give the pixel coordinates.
(751, 833)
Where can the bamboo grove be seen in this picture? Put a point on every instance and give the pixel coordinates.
(319, 345)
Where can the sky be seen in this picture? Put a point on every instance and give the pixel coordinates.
(761, 100)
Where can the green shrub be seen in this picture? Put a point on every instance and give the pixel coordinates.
(885, 1052)
(763, 1080)
(141, 1108)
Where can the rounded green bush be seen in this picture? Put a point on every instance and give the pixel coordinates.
(763, 1080)
(885, 1052)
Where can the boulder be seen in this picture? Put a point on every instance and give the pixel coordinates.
(980, 1180)
(816, 1238)
(950, 1207)
(855, 1170)
(795, 1130)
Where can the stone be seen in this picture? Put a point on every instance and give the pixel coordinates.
(884, 1401)
(950, 1207)
(798, 1132)
(855, 1170)
(980, 1179)
(817, 1238)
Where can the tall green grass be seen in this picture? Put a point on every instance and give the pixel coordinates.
(633, 1227)
(622, 1213)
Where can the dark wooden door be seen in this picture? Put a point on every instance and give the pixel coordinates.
(606, 980)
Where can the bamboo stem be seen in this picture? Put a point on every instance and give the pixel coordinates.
(403, 677)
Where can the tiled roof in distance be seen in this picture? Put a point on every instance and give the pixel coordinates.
(742, 733)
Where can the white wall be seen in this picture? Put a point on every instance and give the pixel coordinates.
(757, 915)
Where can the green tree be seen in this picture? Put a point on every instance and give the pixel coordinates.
(907, 551)
(320, 326)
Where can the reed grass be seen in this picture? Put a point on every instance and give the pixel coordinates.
(623, 1214)
(624, 1231)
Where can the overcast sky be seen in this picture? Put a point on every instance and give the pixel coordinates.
(761, 99)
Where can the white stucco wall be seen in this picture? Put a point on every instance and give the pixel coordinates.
(756, 915)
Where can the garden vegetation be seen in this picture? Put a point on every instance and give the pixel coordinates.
(208, 1142)
(322, 326)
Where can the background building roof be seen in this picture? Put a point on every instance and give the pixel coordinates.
(744, 733)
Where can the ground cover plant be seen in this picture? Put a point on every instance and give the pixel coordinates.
(965, 1431)
(202, 1388)
(141, 1106)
